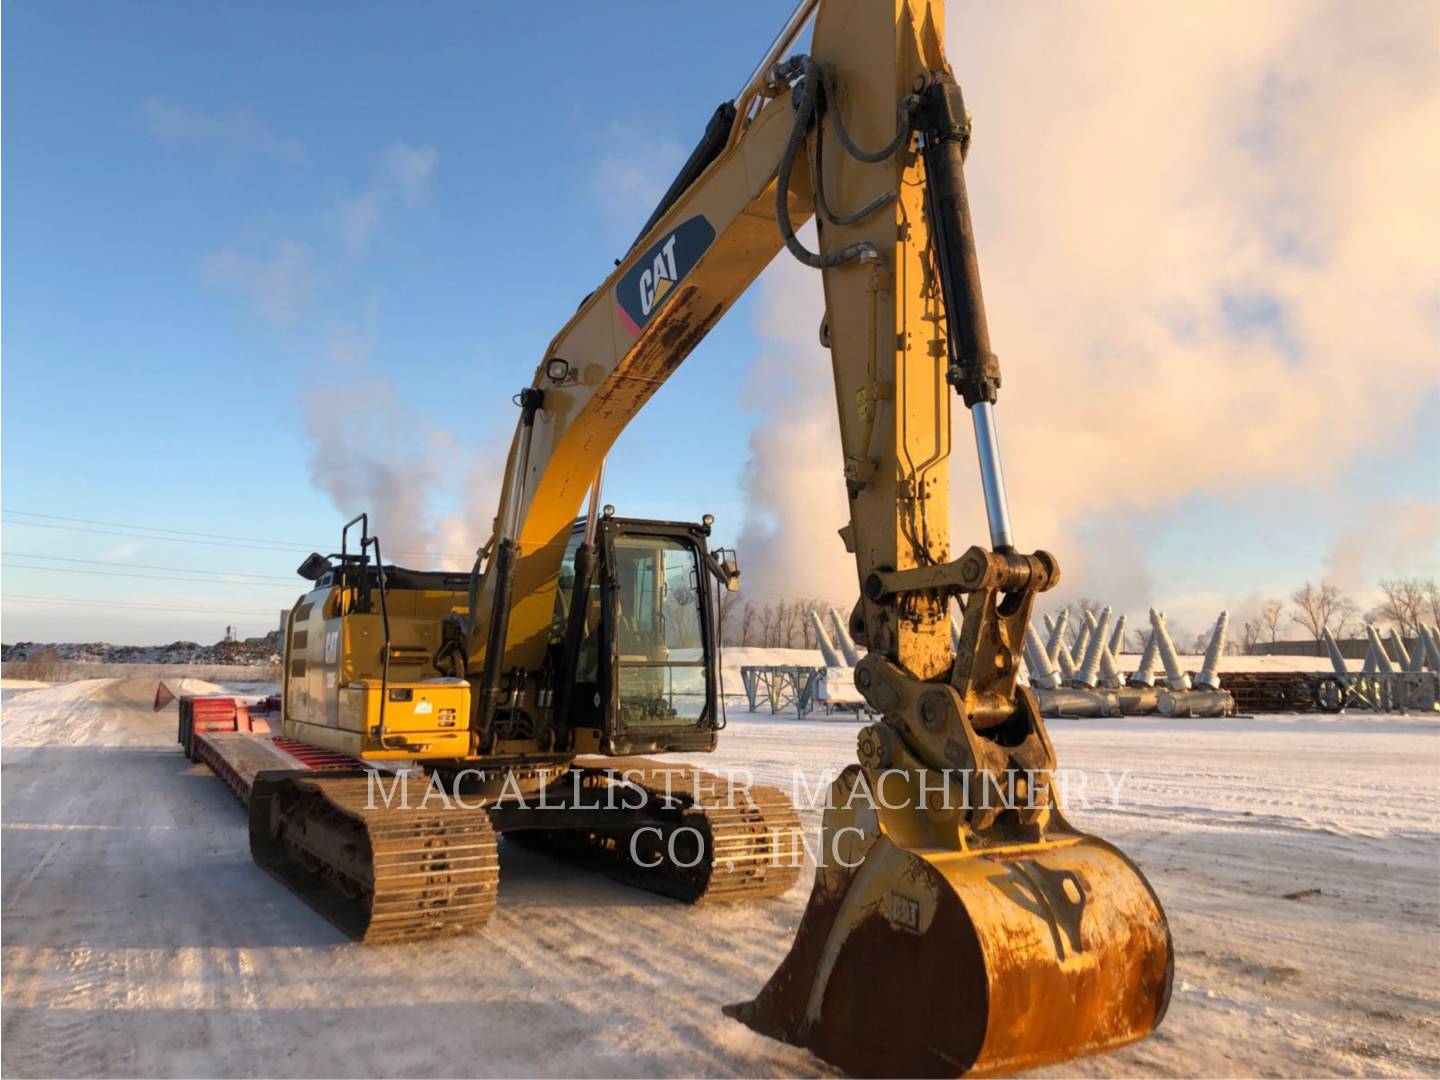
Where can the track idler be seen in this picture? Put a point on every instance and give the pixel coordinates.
(925, 951)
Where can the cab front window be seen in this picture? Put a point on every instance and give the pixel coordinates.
(659, 633)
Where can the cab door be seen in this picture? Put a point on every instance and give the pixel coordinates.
(661, 676)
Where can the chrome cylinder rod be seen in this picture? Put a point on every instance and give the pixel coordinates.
(992, 476)
(783, 40)
(592, 511)
(516, 489)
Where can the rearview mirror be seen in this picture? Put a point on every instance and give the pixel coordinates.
(727, 567)
(313, 567)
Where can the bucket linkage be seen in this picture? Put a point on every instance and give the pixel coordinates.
(958, 923)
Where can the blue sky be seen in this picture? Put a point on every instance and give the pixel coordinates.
(243, 239)
(163, 158)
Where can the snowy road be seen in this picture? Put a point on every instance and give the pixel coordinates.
(138, 937)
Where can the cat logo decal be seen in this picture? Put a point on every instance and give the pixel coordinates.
(643, 289)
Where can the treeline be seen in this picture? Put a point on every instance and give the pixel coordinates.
(777, 624)
(1405, 604)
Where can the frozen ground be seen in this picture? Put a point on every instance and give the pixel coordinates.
(139, 939)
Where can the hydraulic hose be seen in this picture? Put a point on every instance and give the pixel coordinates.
(804, 112)
(814, 79)
(823, 204)
(903, 112)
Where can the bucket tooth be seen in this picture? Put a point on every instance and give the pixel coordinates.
(927, 958)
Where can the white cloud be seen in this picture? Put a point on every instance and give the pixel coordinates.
(1207, 235)
(402, 172)
(236, 130)
(409, 168)
(1389, 538)
(277, 286)
(370, 451)
(632, 174)
(794, 495)
(358, 218)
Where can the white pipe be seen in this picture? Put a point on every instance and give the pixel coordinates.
(1110, 676)
(1145, 673)
(1402, 654)
(1057, 636)
(843, 639)
(1432, 647)
(1337, 658)
(823, 643)
(1042, 673)
(1089, 673)
(1117, 636)
(1382, 658)
(1082, 643)
(1209, 677)
(1175, 677)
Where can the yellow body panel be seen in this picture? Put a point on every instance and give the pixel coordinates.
(423, 720)
(333, 670)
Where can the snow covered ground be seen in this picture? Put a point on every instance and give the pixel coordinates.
(138, 937)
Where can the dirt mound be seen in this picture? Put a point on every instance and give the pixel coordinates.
(252, 651)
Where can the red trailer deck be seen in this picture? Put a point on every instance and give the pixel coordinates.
(237, 737)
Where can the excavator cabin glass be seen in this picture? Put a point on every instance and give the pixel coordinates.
(645, 668)
(659, 634)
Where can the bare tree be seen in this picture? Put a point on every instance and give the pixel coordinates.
(1078, 610)
(805, 609)
(1323, 608)
(729, 612)
(1432, 599)
(1250, 635)
(1404, 602)
(1272, 612)
(767, 626)
(791, 623)
(748, 626)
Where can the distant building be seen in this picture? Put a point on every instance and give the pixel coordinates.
(1350, 648)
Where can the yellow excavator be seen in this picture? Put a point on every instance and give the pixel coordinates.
(958, 923)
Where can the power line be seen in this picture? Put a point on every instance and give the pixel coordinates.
(184, 536)
(163, 539)
(150, 528)
(150, 566)
(9, 597)
(148, 577)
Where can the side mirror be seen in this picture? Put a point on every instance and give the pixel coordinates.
(727, 567)
(313, 567)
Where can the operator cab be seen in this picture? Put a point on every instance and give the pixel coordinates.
(646, 673)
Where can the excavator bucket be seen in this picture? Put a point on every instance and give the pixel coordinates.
(918, 958)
